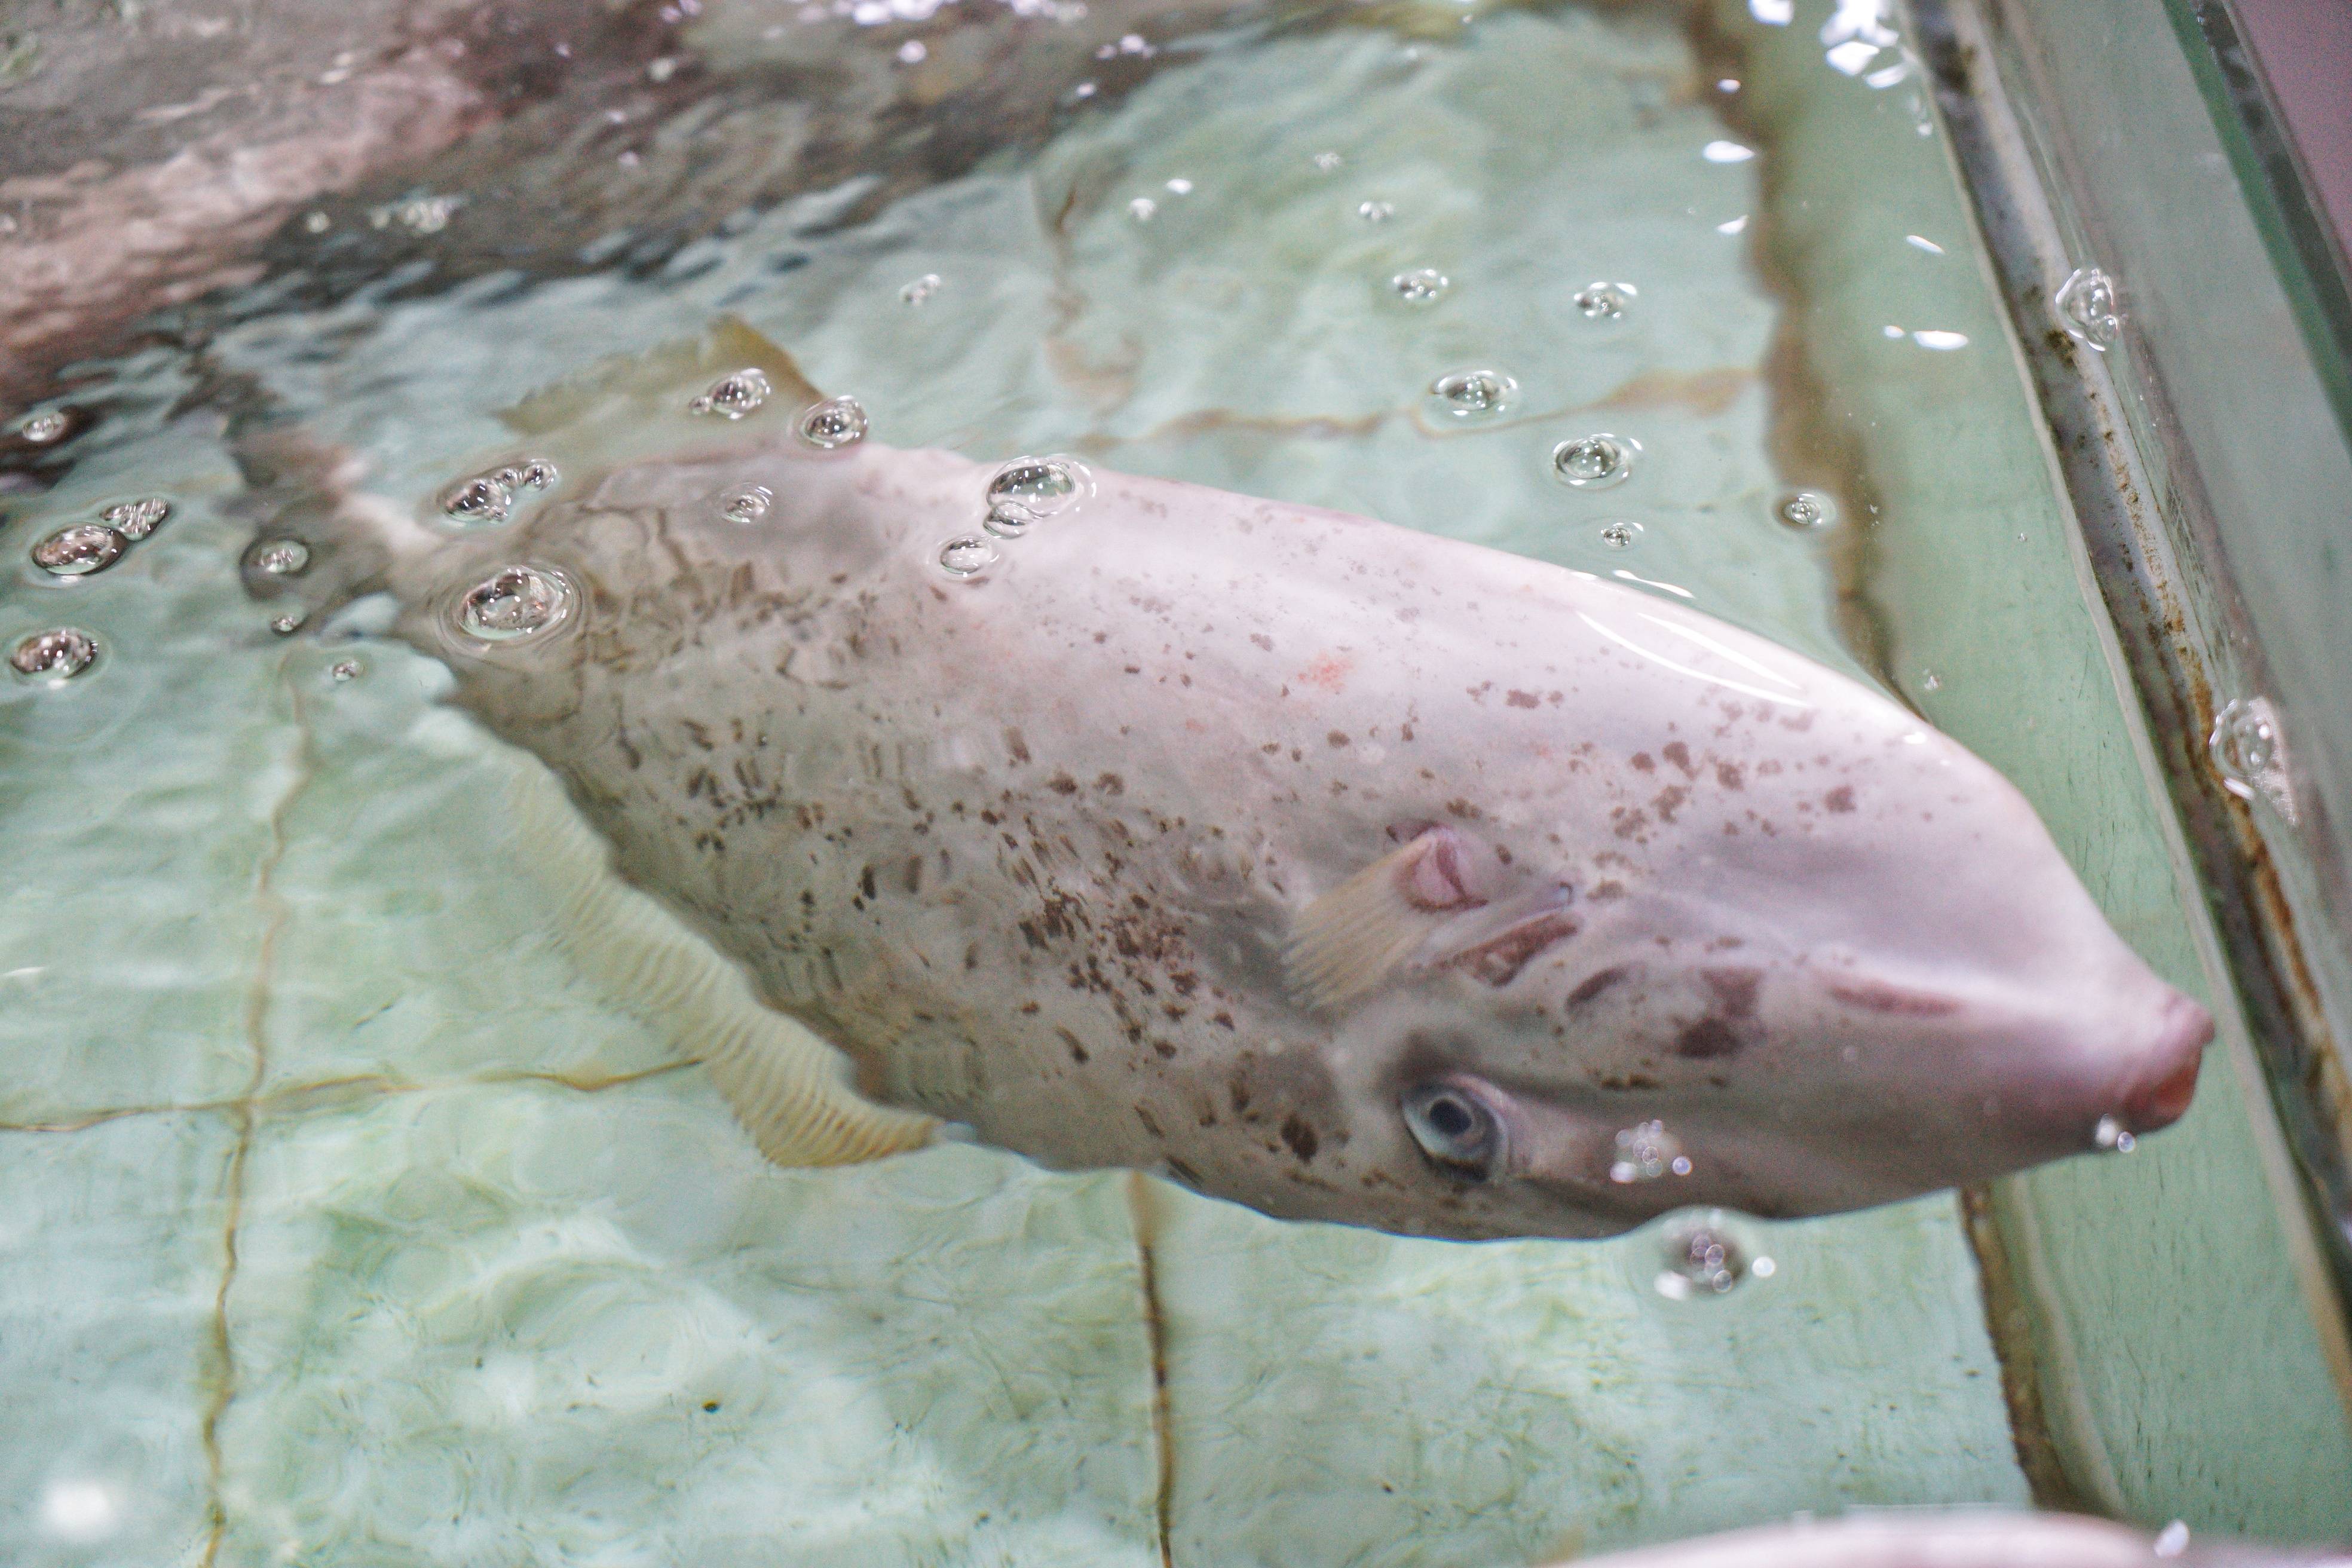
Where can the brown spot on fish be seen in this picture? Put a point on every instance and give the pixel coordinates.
(1523, 699)
(1062, 783)
(1669, 800)
(1708, 1038)
(1593, 985)
(1734, 989)
(1730, 776)
(1679, 754)
(1840, 798)
(1878, 996)
(1111, 783)
(1336, 738)
(1017, 748)
(1078, 1049)
(1645, 763)
(1300, 1136)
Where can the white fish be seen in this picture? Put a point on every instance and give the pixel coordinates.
(1964, 1538)
(1339, 870)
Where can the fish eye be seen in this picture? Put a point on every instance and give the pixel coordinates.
(1455, 1127)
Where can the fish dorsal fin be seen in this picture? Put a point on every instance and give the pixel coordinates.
(791, 1089)
(660, 380)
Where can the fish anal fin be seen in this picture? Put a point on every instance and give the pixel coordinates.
(1382, 919)
(790, 1091)
(790, 1088)
(665, 375)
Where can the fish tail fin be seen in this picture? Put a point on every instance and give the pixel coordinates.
(790, 1088)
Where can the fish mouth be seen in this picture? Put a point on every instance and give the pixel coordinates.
(2163, 1096)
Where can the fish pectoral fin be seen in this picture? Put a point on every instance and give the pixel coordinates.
(1382, 919)
(666, 377)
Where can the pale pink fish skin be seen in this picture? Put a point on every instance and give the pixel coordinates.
(1033, 848)
(1965, 1539)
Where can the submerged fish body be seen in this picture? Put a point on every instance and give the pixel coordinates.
(1339, 869)
(1965, 1538)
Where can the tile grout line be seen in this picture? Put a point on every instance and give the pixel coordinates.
(1139, 1218)
(247, 1110)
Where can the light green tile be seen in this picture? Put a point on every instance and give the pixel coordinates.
(113, 1247)
(525, 1324)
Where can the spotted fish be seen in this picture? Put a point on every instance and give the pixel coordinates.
(1335, 868)
(1966, 1537)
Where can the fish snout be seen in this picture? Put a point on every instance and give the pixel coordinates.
(2162, 1090)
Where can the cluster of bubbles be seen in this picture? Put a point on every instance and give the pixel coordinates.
(1605, 302)
(1021, 494)
(2249, 754)
(1706, 1254)
(1646, 1152)
(733, 395)
(1420, 286)
(53, 657)
(1805, 509)
(921, 288)
(1472, 393)
(514, 603)
(747, 504)
(81, 549)
(2088, 310)
(488, 500)
(2110, 1135)
(1597, 462)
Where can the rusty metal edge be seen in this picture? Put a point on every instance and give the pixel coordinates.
(2130, 552)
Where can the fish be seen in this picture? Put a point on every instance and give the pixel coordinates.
(1965, 1538)
(1337, 869)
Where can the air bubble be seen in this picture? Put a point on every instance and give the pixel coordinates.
(836, 423)
(1805, 509)
(1376, 212)
(483, 501)
(1605, 302)
(920, 290)
(345, 669)
(78, 550)
(135, 520)
(967, 556)
(1472, 393)
(2087, 308)
(1645, 1153)
(531, 473)
(2250, 753)
(747, 504)
(1028, 488)
(54, 657)
(1595, 462)
(288, 623)
(1420, 286)
(2110, 1135)
(1706, 1255)
(43, 428)
(279, 557)
(514, 603)
(1327, 162)
(1142, 209)
(732, 396)
(1619, 533)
